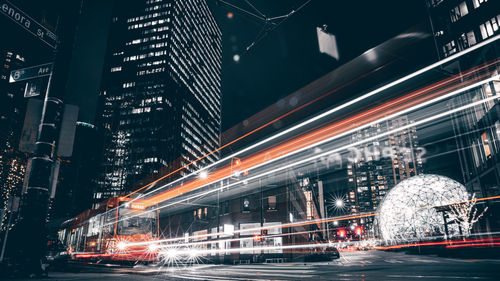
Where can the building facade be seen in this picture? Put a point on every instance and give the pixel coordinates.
(160, 98)
(374, 168)
(254, 219)
(459, 25)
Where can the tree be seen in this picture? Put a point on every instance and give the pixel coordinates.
(466, 214)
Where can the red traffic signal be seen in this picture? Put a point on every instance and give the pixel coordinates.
(257, 237)
(358, 230)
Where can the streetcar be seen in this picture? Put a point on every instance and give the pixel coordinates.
(103, 232)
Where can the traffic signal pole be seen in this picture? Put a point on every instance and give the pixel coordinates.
(31, 235)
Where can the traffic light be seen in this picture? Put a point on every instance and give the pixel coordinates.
(235, 167)
(358, 230)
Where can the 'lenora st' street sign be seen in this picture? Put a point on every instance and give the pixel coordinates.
(21, 18)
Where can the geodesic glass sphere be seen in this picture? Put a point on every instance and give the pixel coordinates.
(407, 212)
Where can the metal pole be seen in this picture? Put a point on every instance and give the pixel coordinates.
(31, 229)
(218, 224)
(4, 244)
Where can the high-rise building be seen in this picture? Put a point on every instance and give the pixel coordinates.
(160, 97)
(378, 166)
(458, 25)
(12, 107)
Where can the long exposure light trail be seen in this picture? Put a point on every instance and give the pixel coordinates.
(282, 226)
(248, 134)
(336, 109)
(315, 138)
(448, 243)
(318, 137)
(299, 162)
(255, 229)
(188, 249)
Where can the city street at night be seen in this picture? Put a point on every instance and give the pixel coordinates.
(368, 265)
(249, 140)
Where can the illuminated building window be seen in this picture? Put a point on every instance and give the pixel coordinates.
(478, 3)
(467, 39)
(450, 48)
(458, 12)
(486, 145)
(271, 203)
(489, 27)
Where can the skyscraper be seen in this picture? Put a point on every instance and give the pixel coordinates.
(459, 25)
(160, 97)
(380, 165)
(12, 107)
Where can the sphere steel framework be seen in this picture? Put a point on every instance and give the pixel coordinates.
(407, 212)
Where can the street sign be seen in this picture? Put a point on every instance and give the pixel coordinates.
(26, 22)
(33, 88)
(31, 124)
(327, 43)
(30, 72)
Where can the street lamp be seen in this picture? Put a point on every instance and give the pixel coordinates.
(339, 203)
(121, 245)
(203, 175)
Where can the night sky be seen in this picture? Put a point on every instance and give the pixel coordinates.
(284, 61)
(288, 58)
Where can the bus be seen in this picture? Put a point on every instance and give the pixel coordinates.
(102, 232)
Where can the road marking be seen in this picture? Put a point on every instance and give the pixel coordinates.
(207, 277)
(393, 261)
(436, 276)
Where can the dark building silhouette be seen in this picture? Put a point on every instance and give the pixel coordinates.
(12, 109)
(160, 97)
(77, 174)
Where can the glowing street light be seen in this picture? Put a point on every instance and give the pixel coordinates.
(152, 247)
(121, 245)
(203, 175)
(339, 203)
(172, 253)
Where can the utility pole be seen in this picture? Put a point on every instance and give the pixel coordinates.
(30, 241)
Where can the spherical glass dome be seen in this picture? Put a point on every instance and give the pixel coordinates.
(407, 212)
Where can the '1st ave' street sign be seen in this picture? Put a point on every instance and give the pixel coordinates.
(25, 21)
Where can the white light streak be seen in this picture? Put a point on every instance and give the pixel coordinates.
(299, 162)
(329, 112)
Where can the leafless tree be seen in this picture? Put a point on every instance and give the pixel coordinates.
(466, 214)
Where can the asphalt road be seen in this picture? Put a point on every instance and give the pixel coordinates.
(369, 265)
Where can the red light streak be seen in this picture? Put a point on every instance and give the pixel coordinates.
(449, 244)
(473, 245)
(317, 136)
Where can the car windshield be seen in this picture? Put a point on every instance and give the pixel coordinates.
(131, 223)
